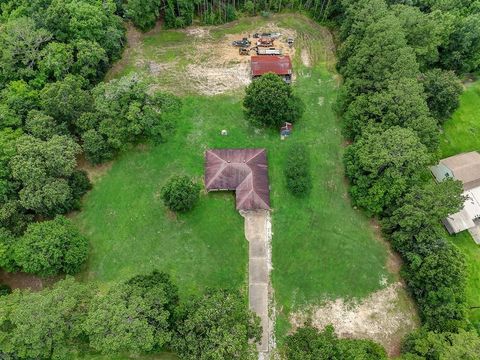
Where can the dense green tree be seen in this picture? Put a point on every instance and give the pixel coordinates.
(20, 98)
(382, 165)
(134, 316)
(143, 13)
(429, 345)
(269, 101)
(45, 324)
(43, 126)
(21, 43)
(443, 89)
(462, 51)
(402, 103)
(57, 60)
(8, 117)
(217, 325)
(307, 343)
(297, 170)
(8, 138)
(423, 32)
(51, 247)
(43, 168)
(14, 217)
(96, 147)
(423, 206)
(70, 94)
(7, 246)
(91, 60)
(180, 193)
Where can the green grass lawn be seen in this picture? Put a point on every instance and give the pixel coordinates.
(461, 134)
(322, 248)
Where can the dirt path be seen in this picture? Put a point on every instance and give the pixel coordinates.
(260, 296)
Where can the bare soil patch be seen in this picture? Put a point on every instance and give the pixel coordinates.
(22, 280)
(381, 317)
(94, 172)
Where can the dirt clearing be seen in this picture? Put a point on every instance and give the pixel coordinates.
(380, 317)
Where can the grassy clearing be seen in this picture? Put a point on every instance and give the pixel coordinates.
(461, 134)
(322, 248)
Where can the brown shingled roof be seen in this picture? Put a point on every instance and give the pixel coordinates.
(280, 65)
(244, 171)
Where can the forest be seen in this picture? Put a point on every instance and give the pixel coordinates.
(402, 64)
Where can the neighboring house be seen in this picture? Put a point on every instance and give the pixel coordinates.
(465, 168)
(244, 171)
(280, 65)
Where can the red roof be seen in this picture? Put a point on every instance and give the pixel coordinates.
(244, 171)
(280, 65)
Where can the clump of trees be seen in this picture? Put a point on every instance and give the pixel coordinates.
(180, 193)
(141, 314)
(393, 102)
(308, 343)
(46, 248)
(297, 170)
(269, 101)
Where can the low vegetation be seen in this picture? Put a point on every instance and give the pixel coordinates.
(297, 170)
(180, 193)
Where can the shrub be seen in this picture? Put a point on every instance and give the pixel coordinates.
(5, 289)
(51, 247)
(297, 170)
(180, 193)
(269, 101)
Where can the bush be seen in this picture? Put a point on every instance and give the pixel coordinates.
(51, 247)
(80, 184)
(5, 289)
(297, 170)
(180, 193)
(269, 101)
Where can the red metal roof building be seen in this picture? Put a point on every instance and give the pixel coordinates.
(280, 65)
(244, 171)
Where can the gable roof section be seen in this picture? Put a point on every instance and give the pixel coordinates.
(280, 65)
(465, 167)
(244, 171)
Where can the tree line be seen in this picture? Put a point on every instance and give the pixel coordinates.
(400, 62)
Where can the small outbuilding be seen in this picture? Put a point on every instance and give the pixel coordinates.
(465, 168)
(244, 171)
(280, 65)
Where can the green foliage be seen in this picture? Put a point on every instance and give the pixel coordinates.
(429, 345)
(269, 101)
(5, 289)
(143, 13)
(383, 165)
(69, 93)
(43, 126)
(80, 184)
(7, 246)
(443, 90)
(178, 13)
(45, 324)
(297, 170)
(134, 316)
(56, 60)
(51, 247)
(8, 138)
(217, 325)
(20, 98)
(43, 169)
(307, 343)
(180, 193)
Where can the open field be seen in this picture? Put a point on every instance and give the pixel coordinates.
(461, 134)
(323, 249)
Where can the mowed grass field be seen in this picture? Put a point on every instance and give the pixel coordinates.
(322, 247)
(462, 134)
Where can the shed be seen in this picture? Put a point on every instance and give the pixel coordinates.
(244, 171)
(280, 65)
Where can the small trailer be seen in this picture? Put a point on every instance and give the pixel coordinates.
(269, 51)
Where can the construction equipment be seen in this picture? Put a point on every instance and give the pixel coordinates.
(290, 42)
(269, 51)
(242, 43)
(244, 51)
(267, 35)
(265, 42)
